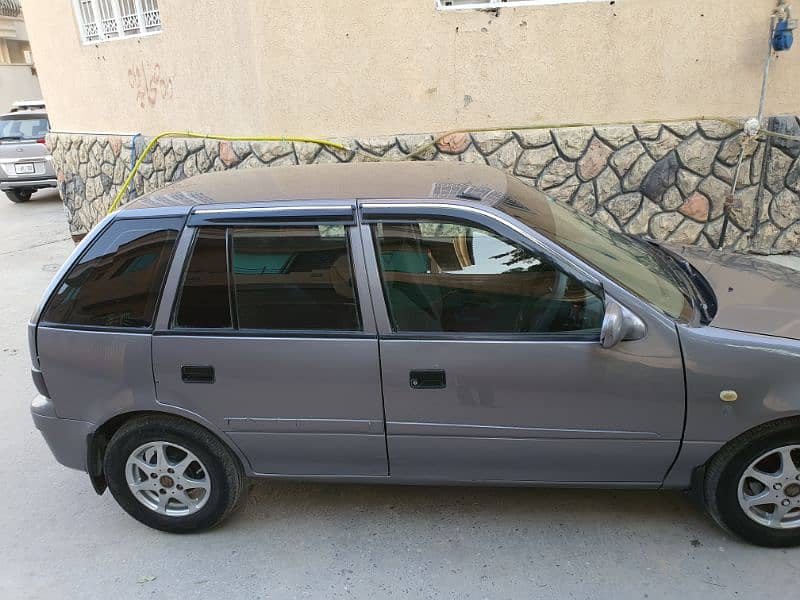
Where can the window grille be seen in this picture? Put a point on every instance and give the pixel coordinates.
(103, 20)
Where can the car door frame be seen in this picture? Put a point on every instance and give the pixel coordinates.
(656, 322)
(253, 215)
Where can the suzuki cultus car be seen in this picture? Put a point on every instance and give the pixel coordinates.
(415, 323)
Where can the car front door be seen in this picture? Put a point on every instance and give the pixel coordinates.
(491, 363)
(271, 338)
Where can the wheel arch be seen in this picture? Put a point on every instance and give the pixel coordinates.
(98, 439)
(699, 471)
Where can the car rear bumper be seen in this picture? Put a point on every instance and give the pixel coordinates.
(38, 183)
(66, 438)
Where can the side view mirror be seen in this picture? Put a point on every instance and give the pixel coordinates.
(619, 324)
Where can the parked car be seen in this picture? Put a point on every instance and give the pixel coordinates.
(412, 323)
(25, 162)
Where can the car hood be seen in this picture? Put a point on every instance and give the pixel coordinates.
(753, 295)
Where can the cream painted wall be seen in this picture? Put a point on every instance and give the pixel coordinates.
(332, 68)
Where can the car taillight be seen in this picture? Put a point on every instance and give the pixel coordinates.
(40, 141)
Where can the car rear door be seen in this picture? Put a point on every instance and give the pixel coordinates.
(491, 363)
(271, 337)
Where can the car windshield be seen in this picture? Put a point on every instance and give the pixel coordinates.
(631, 262)
(23, 127)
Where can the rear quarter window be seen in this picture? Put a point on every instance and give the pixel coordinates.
(118, 280)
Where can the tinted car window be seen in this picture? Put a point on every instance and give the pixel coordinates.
(450, 277)
(117, 282)
(284, 278)
(205, 299)
(630, 261)
(294, 278)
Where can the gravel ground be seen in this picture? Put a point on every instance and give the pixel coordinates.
(60, 540)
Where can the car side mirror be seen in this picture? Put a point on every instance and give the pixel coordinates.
(619, 324)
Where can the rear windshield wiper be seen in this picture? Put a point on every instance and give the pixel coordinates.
(10, 137)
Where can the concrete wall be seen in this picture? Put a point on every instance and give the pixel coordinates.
(332, 68)
(17, 83)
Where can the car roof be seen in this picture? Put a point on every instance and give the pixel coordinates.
(416, 180)
(25, 113)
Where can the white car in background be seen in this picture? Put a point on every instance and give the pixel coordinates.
(25, 162)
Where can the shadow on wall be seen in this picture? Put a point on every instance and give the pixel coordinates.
(668, 180)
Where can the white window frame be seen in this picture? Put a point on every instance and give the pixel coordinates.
(106, 20)
(492, 4)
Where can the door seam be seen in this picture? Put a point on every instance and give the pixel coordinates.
(377, 334)
(685, 411)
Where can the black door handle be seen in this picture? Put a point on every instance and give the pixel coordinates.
(427, 380)
(197, 374)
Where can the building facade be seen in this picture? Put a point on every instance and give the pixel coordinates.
(18, 80)
(631, 110)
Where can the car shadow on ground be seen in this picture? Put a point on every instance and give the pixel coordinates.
(612, 512)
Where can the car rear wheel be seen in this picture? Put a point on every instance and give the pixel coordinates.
(19, 195)
(172, 475)
(752, 486)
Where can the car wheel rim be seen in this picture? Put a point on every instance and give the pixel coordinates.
(168, 479)
(769, 489)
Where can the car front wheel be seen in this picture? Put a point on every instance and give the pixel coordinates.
(752, 487)
(19, 195)
(172, 475)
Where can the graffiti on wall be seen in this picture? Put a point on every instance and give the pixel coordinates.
(149, 83)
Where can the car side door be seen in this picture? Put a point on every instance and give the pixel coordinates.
(491, 364)
(270, 336)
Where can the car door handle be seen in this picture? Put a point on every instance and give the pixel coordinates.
(427, 379)
(197, 374)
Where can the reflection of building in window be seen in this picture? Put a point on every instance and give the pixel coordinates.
(442, 276)
(117, 286)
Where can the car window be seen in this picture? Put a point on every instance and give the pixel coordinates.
(117, 282)
(278, 278)
(25, 128)
(204, 297)
(623, 258)
(442, 276)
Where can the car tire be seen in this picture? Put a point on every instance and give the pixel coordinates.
(145, 483)
(751, 507)
(19, 196)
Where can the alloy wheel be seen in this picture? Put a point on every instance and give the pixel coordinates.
(168, 479)
(769, 488)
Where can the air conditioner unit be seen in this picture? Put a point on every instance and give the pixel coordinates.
(28, 57)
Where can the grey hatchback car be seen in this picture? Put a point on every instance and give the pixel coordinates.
(414, 323)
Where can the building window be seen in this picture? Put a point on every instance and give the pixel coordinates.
(10, 8)
(490, 4)
(103, 20)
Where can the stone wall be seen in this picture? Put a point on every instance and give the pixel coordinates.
(669, 181)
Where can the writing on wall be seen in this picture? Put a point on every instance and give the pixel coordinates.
(150, 83)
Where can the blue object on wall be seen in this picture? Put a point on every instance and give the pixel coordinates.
(783, 38)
